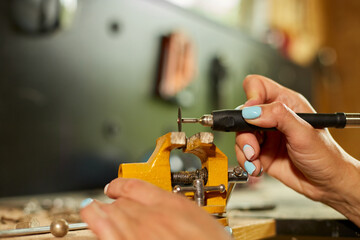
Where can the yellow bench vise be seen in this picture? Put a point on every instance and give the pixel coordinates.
(210, 187)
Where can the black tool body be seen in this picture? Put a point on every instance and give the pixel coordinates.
(233, 121)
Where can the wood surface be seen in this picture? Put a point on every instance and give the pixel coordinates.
(244, 229)
(246, 223)
(251, 229)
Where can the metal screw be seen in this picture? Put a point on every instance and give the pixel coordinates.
(238, 171)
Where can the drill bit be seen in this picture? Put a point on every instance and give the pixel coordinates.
(181, 120)
(206, 120)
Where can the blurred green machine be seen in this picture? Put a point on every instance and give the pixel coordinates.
(77, 102)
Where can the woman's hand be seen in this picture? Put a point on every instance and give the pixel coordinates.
(144, 211)
(306, 159)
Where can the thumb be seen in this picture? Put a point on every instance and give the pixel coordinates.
(278, 115)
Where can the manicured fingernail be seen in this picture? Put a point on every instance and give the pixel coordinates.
(251, 112)
(249, 152)
(250, 167)
(261, 172)
(239, 107)
(105, 188)
(86, 202)
(228, 230)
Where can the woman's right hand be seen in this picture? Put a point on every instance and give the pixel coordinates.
(306, 159)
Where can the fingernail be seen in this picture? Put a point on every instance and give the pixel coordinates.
(86, 202)
(239, 107)
(105, 188)
(251, 112)
(249, 167)
(261, 172)
(228, 230)
(249, 151)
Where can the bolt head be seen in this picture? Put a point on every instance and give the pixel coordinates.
(177, 189)
(222, 188)
(238, 171)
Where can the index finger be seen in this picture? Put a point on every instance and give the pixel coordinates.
(262, 90)
(259, 90)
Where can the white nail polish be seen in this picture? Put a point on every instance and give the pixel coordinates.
(105, 188)
(249, 151)
(239, 107)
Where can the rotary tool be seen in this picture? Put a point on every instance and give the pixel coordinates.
(233, 121)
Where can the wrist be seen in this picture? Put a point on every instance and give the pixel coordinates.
(345, 196)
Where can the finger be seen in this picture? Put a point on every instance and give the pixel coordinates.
(253, 168)
(135, 220)
(248, 144)
(129, 208)
(272, 148)
(259, 89)
(137, 190)
(99, 222)
(123, 213)
(260, 136)
(278, 115)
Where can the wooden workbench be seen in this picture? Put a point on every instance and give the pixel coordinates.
(243, 229)
(253, 211)
(11, 214)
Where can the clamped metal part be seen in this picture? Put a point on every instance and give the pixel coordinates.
(199, 190)
(211, 185)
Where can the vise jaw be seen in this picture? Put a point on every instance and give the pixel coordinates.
(211, 186)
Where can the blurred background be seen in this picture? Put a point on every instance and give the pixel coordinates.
(87, 84)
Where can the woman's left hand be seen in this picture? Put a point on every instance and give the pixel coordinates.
(144, 211)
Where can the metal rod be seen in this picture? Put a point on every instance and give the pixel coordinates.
(231, 187)
(221, 188)
(199, 194)
(189, 120)
(38, 230)
(352, 120)
(188, 177)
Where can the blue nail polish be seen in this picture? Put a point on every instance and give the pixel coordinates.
(86, 202)
(251, 112)
(250, 167)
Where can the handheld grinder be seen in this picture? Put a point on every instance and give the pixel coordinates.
(233, 121)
